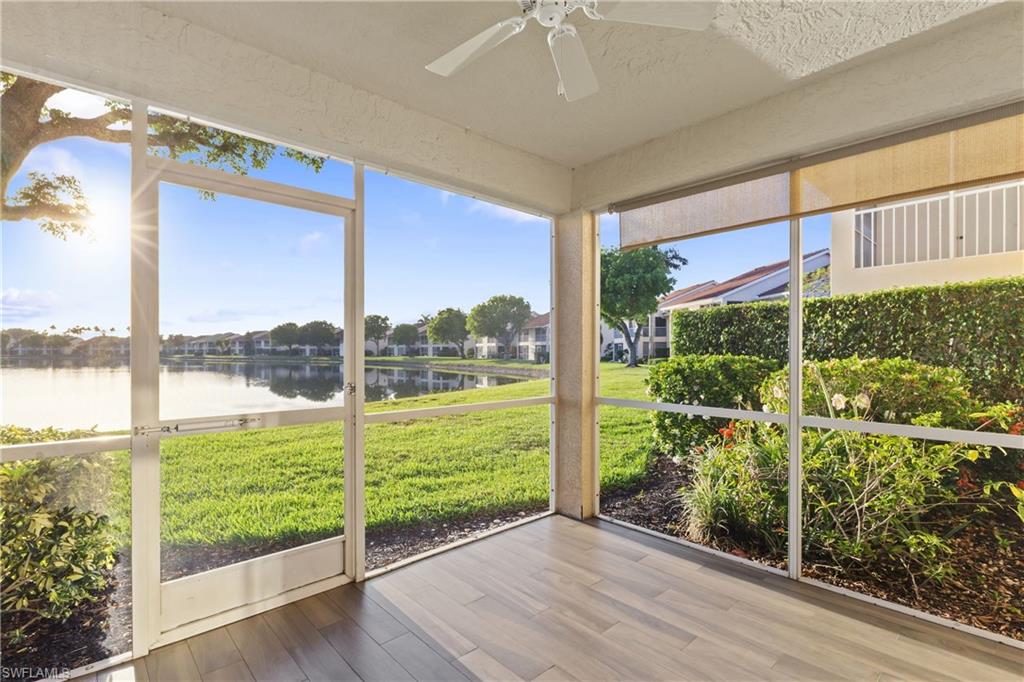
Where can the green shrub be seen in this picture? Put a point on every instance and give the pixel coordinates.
(975, 327)
(1005, 464)
(718, 380)
(55, 555)
(863, 495)
(877, 390)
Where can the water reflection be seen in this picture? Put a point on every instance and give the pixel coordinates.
(82, 393)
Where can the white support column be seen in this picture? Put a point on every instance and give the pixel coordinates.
(145, 390)
(575, 315)
(796, 277)
(354, 368)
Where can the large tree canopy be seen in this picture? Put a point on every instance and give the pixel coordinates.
(449, 326)
(376, 329)
(499, 317)
(405, 335)
(631, 284)
(286, 334)
(317, 333)
(57, 202)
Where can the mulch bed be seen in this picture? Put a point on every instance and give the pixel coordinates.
(986, 592)
(387, 546)
(653, 502)
(97, 630)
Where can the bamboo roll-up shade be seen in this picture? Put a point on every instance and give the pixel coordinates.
(910, 165)
(745, 203)
(983, 153)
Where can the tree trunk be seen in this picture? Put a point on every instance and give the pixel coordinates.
(630, 343)
(636, 340)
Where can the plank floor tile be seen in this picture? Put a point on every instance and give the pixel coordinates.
(557, 599)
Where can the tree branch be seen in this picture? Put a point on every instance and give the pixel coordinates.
(61, 212)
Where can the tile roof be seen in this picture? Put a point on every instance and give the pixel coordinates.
(538, 321)
(719, 288)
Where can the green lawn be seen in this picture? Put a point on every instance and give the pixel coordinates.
(625, 434)
(286, 483)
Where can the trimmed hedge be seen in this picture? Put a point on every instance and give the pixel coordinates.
(976, 327)
(889, 390)
(716, 380)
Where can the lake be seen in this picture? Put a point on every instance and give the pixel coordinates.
(75, 395)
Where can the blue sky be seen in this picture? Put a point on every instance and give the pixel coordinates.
(727, 254)
(232, 264)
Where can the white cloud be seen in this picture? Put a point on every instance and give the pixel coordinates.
(501, 212)
(77, 103)
(20, 305)
(310, 241)
(51, 159)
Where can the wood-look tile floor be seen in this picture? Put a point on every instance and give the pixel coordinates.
(557, 599)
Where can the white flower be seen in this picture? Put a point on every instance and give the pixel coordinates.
(890, 415)
(677, 460)
(839, 401)
(737, 399)
(862, 401)
(689, 416)
(778, 392)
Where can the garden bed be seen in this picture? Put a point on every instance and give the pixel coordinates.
(96, 631)
(387, 546)
(985, 592)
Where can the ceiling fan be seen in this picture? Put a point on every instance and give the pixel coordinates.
(576, 78)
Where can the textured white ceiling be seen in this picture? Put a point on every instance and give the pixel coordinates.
(653, 80)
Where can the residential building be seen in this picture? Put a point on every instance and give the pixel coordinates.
(423, 346)
(763, 283)
(210, 344)
(534, 339)
(962, 235)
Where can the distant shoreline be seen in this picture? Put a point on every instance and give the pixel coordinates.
(512, 368)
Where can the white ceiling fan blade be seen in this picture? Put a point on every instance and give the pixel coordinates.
(695, 16)
(574, 70)
(488, 39)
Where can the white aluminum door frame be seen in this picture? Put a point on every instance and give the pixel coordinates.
(278, 577)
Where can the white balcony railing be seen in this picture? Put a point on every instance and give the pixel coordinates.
(972, 222)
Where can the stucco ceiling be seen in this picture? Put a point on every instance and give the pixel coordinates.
(653, 80)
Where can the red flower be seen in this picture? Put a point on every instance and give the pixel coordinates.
(1017, 429)
(1020, 484)
(964, 484)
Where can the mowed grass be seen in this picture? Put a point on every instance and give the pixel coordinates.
(286, 483)
(624, 433)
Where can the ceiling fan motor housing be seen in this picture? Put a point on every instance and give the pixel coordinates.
(550, 13)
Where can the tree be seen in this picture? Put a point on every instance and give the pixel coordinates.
(377, 327)
(405, 335)
(500, 317)
(424, 319)
(318, 333)
(57, 202)
(449, 326)
(286, 334)
(631, 283)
